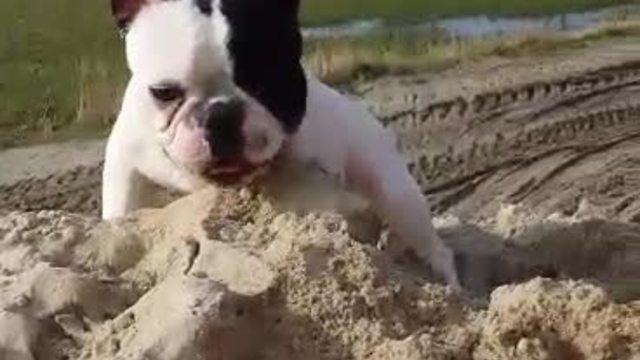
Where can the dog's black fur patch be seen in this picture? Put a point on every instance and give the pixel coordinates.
(265, 47)
(205, 6)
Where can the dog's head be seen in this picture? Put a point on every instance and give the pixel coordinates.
(223, 78)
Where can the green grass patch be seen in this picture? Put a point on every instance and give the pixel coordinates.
(61, 68)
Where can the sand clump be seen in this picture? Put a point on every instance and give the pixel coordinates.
(221, 275)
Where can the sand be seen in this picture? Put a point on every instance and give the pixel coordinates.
(533, 173)
(223, 275)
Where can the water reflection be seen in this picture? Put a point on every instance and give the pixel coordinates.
(474, 26)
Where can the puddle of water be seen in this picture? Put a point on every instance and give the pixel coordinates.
(483, 26)
(471, 27)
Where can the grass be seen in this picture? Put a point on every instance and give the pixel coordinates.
(62, 68)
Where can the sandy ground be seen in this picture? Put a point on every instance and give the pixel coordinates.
(533, 171)
(228, 276)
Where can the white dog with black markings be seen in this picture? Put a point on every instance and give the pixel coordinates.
(218, 91)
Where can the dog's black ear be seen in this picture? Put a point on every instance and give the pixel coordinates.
(124, 11)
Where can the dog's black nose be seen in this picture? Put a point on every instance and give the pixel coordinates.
(223, 120)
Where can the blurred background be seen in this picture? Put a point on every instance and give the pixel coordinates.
(62, 70)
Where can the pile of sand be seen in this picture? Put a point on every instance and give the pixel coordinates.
(221, 275)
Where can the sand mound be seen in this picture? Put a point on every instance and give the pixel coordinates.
(222, 275)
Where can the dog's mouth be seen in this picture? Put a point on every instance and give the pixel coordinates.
(233, 172)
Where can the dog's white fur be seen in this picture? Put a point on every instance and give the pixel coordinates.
(337, 134)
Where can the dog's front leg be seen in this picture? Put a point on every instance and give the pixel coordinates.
(383, 177)
(121, 184)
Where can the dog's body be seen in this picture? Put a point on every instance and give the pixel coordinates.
(197, 111)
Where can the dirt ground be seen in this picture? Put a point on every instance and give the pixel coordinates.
(532, 166)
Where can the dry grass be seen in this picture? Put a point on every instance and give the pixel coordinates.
(342, 61)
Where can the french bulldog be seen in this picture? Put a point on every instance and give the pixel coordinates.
(218, 91)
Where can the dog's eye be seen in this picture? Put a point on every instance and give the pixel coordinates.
(166, 92)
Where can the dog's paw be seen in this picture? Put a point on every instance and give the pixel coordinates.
(442, 262)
